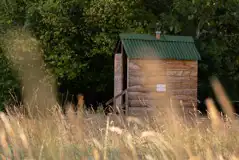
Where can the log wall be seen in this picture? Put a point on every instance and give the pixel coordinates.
(180, 78)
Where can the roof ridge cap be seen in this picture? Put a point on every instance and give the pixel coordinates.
(175, 41)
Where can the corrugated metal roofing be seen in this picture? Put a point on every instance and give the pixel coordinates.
(167, 47)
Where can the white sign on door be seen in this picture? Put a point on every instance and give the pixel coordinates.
(161, 87)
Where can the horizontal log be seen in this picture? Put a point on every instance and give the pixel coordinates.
(133, 66)
(195, 73)
(153, 78)
(146, 66)
(185, 103)
(170, 86)
(157, 65)
(174, 64)
(147, 74)
(184, 98)
(161, 77)
(172, 91)
(148, 70)
(182, 85)
(143, 64)
(166, 71)
(145, 96)
(150, 91)
(145, 61)
(181, 65)
(149, 78)
(137, 82)
(133, 82)
(142, 88)
(189, 104)
(179, 73)
(157, 80)
(157, 96)
(140, 94)
(136, 103)
(163, 61)
(141, 109)
(148, 103)
(174, 73)
(185, 62)
(187, 92)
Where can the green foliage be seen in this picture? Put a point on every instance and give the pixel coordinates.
(9, 84)
(214, 25)
(51, 22)
(78, 36)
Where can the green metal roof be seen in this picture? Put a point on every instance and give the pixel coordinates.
(167, 47)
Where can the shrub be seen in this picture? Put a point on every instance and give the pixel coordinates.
(9, 84)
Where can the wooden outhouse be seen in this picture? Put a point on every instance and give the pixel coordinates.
(149, 69)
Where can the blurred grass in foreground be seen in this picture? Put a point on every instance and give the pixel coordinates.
(160, 135)
(94, 136)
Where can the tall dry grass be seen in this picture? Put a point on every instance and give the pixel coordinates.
(161, 135)
(95, 136)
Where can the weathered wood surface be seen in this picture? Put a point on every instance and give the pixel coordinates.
(180, 78)
(141, 112)
(162, 61)
(183, 92)
(184, 97)
(127, 96)
(153, 93)
(160, 103)
(132, 109)
(158, 96)
(116, 97)
(142, 103)
(182, 85)
(170, 86)
(156, 80)
(142, 88)
(139, 66)
(159, 77)
(168, 72)
(145, 96)
(164, 102)
(118, 78)
(161, 64)
(146, 74)
(189, 104)
(133, 82)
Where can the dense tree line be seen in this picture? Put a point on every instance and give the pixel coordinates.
(78, 38)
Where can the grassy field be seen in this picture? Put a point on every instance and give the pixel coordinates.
(163, 134)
